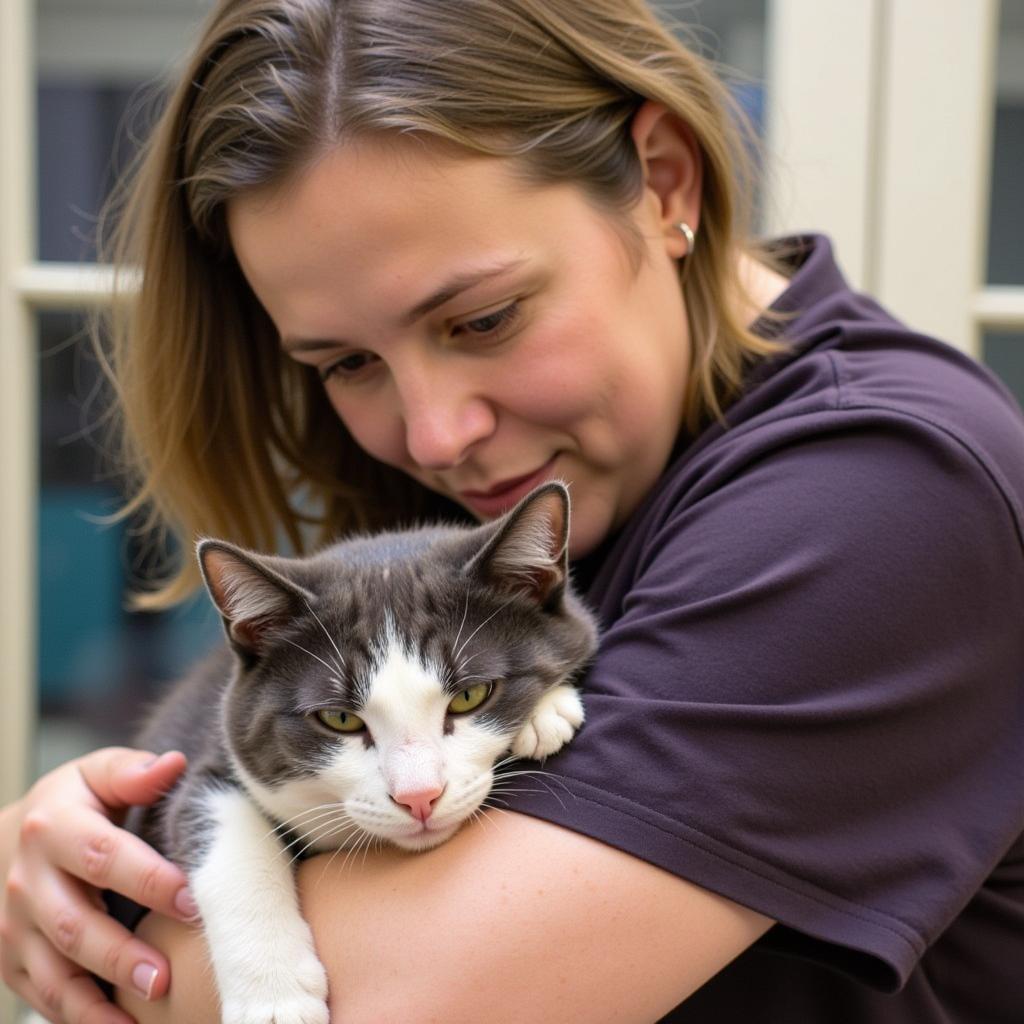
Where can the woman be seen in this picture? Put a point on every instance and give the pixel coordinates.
(404, 259)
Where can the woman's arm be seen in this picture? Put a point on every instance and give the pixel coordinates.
(514, 919)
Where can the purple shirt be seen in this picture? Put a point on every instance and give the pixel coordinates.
(809, 696)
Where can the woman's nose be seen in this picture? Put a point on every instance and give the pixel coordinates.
(443, 422)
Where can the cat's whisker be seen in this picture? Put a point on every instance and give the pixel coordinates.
(326, 831)
(364, 840)
(493, 817)
(458, 636)
(553, 793)
(349, 849)
(480, 815)
(324, 871)
(367, 847)
(314, 835)
(463, 664)
(341, 657)
(497, 810)
(323, 808)
(330, 668)
(501, 608)
(538, 772)
(298, 839)
(281, 832)
(506, 790)
(504, 761)
(339, 828)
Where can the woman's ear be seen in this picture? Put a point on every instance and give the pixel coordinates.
(673, 171)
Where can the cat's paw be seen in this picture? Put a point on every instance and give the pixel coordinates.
(553, 723)
(295, 992)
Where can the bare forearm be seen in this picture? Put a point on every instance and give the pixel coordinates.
(517, 920)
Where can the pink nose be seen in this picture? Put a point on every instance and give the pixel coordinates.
(420, 802)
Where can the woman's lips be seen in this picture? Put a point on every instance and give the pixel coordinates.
(504, 495)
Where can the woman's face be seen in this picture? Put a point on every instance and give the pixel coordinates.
(480, 335)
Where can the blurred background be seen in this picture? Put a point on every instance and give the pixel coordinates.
(821, 82)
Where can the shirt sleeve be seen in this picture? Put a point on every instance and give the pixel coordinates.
(809, 700)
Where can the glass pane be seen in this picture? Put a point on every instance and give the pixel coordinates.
(97, 63)
(1006, 213)
(98, 664)
(732, 33)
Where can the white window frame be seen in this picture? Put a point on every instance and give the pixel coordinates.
(18, 406)
(870, 140)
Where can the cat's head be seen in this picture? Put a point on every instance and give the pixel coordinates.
(388, 674)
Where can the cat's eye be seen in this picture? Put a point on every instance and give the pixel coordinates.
(470, 698)
(341, 721)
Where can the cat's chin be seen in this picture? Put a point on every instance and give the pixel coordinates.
(425, 840)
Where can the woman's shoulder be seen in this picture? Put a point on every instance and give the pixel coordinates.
(850, 370)
(850, 439)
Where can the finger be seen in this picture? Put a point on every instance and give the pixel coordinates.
(62, 992)
(12, 970)
(88, 847)
(21, 985)
(95, 941)
(121, 777)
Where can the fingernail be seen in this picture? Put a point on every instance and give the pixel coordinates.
(144, 978)
(185, 904)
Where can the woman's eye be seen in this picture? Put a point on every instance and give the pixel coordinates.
(496, 323)
(470, 698)
(348, 366)
(341, 721)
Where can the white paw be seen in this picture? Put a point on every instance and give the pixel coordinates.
(294, 991)
(554, 722)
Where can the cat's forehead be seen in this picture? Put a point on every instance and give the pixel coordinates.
(403, 577)
(406, 547)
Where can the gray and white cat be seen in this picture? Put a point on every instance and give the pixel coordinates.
(369, 691)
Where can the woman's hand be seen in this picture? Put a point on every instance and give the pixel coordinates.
(59, 847)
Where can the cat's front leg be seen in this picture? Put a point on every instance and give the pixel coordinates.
(557, 716)
(261, 947)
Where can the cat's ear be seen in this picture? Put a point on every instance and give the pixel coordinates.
(253, 599)
(528, 553)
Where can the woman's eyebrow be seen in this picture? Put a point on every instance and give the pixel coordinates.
(455, 286)
(460, 283)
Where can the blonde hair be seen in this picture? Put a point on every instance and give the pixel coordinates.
(223, 435)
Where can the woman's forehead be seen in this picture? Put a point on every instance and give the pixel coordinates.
(381, 221)
(366, 191)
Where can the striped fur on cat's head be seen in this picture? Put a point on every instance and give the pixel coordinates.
(380, 681)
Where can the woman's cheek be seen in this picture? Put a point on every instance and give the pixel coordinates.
(556, 381)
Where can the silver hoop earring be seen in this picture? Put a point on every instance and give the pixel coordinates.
(688, 235)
